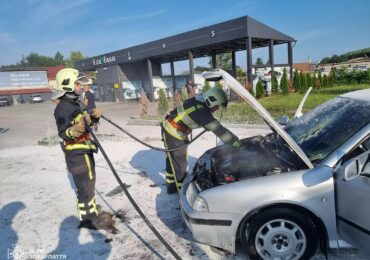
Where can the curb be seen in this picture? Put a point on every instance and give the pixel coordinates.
(148, 122)
(55, 140)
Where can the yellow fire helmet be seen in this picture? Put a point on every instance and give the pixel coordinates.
(66, 79)
(215, 96)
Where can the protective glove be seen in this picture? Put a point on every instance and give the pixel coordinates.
(96, 113)
(95, 116)
(237, 144)
(78, 129)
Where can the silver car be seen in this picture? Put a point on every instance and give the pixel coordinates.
(288, 193)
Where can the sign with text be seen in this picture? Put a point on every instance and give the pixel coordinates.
(25, 79)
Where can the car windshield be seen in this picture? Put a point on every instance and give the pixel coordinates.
(322, 130)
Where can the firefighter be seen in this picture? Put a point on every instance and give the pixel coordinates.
(194, 113)
(79, 148)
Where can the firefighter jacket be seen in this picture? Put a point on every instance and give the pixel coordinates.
(192, 114)
(67, 113)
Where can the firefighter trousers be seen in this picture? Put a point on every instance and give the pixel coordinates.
(176, 162)
(82, 168)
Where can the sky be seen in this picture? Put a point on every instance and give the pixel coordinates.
(321, 27)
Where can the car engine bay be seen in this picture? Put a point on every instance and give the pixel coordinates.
(258, 156)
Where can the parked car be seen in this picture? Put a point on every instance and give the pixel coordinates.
(285, 194)
(36, 99)
(5, 102)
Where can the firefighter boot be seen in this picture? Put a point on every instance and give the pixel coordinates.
(171, 188)
(102, 221)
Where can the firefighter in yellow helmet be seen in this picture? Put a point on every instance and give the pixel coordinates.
(195, 112)
(78, 147)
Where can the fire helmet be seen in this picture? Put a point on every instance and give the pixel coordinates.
(215, 96)
(66, 79)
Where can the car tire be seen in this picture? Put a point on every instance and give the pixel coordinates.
(279, 232)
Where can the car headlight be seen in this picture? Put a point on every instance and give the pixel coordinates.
(190, 193)
(200, 204)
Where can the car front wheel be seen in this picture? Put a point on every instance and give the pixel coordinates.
(279, 234)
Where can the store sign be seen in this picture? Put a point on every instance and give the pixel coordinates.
(104, 60)
(29, 79)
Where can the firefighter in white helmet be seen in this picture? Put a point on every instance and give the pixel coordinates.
(195, 112)
(78, 147)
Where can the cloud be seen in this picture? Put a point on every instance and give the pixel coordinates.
(134, 17)
(56, 13)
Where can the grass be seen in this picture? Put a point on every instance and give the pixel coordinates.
(278, 105)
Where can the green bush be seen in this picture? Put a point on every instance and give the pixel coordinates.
(316, 82)
(309, 80)
(284, 83)
(297, 81)
(274, 85)
(333, 76)
(206, 86)
(351, 77)
(260, 91)
(303, 82)
(218, 84)
(325, 81)
(184, 94)
(162, 103)
(320, 80)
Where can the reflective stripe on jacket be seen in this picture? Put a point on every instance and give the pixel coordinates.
(67, 113)
(195, 114)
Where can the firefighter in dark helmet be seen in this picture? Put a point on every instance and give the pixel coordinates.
(78, 147)
(195, 112)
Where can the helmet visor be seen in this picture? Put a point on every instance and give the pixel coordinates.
(81, 78)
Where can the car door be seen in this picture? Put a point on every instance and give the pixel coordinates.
(352, 191)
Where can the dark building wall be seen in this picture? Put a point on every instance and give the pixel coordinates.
(107, 75)
(136, 71)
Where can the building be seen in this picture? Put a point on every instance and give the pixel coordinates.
(354, 64)
(304, 67)
(139, 67)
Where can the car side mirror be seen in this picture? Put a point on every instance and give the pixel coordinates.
(352, 170)
(283, 120)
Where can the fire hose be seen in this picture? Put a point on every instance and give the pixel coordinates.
(128, 195)
(148, 145)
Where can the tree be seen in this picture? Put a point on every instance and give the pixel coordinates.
(325, 81)
(58, 58)
(223, 61)
(320, 81)
(201, 69)
(333, 76)
(240, 72)
(303, 82)
(260, 91)
(259, 61)
(297, 81)
(73, 57)
(316, 81)
(309, 80)
(162, 103)
(284, 83)
(35, 60)
(274, 85)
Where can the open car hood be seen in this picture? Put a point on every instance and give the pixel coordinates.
(238, 88)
